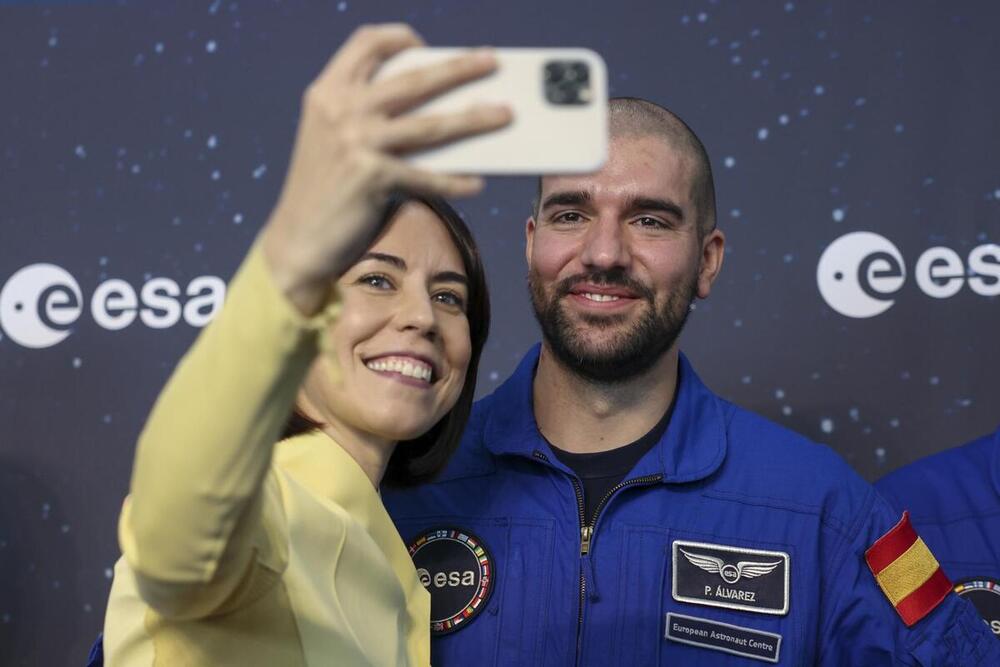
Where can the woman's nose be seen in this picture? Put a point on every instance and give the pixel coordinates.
(416, 311)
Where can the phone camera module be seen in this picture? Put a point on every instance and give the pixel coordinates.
(567, 82)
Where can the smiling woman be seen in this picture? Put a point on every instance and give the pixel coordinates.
(360, 312)
(426, 251)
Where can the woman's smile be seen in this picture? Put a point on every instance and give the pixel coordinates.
(409, 369)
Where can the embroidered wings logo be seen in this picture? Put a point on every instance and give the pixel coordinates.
(745, 569)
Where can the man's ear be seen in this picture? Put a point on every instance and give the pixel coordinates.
(529, 237)
(713, 251)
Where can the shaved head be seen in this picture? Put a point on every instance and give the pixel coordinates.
(636, 117)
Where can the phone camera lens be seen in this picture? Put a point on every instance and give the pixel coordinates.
(567, 82)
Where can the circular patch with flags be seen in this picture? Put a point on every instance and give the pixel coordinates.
(457, 569)
(984, 594)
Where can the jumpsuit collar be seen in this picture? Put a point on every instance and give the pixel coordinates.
(692, 448)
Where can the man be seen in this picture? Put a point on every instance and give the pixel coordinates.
(606, 508)
(954, 499)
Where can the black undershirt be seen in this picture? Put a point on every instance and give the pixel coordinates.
(601, 471)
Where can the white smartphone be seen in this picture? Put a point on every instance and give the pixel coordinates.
(559, 99)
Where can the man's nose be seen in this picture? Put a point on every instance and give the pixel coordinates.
(606, 245)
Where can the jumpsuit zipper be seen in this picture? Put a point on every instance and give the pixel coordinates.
(587, 530)
(587, 536)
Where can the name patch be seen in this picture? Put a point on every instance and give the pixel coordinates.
(724, 637)
(717, 575)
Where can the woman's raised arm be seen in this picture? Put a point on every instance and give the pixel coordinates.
(192, 525)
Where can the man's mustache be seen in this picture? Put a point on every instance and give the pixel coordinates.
(609, 278)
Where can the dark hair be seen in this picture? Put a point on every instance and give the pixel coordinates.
(637, 116)
(421, 459)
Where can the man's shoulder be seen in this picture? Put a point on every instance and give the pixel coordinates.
(945, 466)
(776, 449)
(773, 465)
(957, 482)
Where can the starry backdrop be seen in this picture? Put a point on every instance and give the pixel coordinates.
(145, 140)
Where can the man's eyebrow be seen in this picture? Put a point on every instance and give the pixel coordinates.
(568, 198)
(398, 262)
(655, 204)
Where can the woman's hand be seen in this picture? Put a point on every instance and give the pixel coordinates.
(347, 157)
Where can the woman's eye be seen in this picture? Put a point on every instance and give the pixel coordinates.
(450, 298)
(376, 281)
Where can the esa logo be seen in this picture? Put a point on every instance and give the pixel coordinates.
(449, 579)
(860, 274)
(41, 303)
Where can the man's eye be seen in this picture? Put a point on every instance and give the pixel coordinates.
(376, 281)
(450, 298)
(568, 217)
(651, 223)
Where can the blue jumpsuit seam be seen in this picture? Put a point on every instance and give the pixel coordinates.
(839, 562)
(944, 521)
(782, 505)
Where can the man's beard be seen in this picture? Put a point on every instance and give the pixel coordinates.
(634, 351)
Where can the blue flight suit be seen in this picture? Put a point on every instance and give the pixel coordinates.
(720, 478)
(954, 502)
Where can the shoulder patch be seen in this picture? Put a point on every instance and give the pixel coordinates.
(457, 570)
(907, 572)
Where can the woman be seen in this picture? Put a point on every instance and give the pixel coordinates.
(365, 312)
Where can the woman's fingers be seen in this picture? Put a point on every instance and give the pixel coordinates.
(367, 48)
(399, 174)
(405, 134)
(404, 91)
(348, 150)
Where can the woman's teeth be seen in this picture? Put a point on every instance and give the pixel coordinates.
(600, 297)
(408, 367)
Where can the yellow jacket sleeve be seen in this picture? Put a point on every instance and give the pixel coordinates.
(188, 528)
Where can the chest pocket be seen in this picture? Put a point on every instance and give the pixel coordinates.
(694, 599)
(454, 556)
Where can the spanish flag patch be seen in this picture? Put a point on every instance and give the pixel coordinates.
(907, 572)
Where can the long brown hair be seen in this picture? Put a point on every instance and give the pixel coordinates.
(419, 460)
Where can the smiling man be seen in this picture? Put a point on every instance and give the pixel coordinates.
(605, 508)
